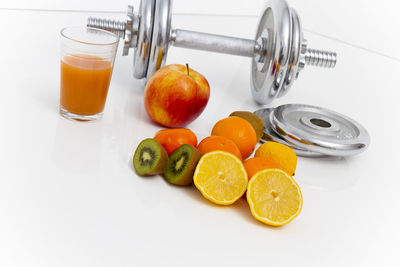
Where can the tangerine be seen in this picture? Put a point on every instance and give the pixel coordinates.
(172, 139)
(213, 143)
(240, 131)
(257, 164)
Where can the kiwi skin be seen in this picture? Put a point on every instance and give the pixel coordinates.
(185, 175)
(254, 119)
(160, 156)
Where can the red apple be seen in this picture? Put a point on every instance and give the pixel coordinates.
(176, 95)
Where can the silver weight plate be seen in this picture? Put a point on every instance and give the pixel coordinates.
(319, 130)
(142, 51)
(275, 26)
(271, 135)
(295, 51)
(160, 39)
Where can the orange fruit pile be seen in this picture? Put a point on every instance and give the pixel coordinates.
(220, 175)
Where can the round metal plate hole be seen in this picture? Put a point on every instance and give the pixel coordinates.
(271, 135)
(320, 123)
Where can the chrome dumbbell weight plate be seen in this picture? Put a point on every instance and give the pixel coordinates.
(280, 30)
(297, 43)
(131, 31)
(145, 31)
(271, 135)
(319, 130)
(263, 69)
(160, 37)
(278, 53)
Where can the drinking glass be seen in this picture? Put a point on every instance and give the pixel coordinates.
(87, 61)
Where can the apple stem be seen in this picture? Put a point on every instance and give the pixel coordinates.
(187, 68)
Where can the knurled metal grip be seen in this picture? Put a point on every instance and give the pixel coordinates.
(279, 50)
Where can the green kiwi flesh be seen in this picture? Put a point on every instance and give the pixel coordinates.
(150, 158)
(182, 164)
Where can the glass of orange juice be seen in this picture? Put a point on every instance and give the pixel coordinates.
(87, 61)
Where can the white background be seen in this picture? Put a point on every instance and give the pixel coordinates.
(373, 25)
(69, 196)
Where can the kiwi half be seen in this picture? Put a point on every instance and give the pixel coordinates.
(150, 158)
(255, 121)
(182, 164)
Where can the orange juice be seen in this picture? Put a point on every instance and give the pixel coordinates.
(84, 83)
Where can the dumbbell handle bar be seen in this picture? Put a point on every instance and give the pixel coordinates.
(214, 43)
(218, 43)
(240, 47)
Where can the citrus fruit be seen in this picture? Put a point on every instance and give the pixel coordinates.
(239, 131)
(281, 154)
(257, 164)
(220, 177)
(254, 120)
(274, 197)
(172, 139)
(213, 143)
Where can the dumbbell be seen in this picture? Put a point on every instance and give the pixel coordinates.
(279, 51)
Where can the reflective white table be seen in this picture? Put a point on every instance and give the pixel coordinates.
(69, 195)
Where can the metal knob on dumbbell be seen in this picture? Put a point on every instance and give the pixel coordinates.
(279, 50)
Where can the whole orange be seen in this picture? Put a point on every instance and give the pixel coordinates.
(213, 143)
(239, 131)
(172, 139)
(257, 164)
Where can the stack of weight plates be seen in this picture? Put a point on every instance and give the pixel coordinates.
(313, 131)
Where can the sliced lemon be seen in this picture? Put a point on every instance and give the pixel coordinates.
(220, 177)
(274, 197)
